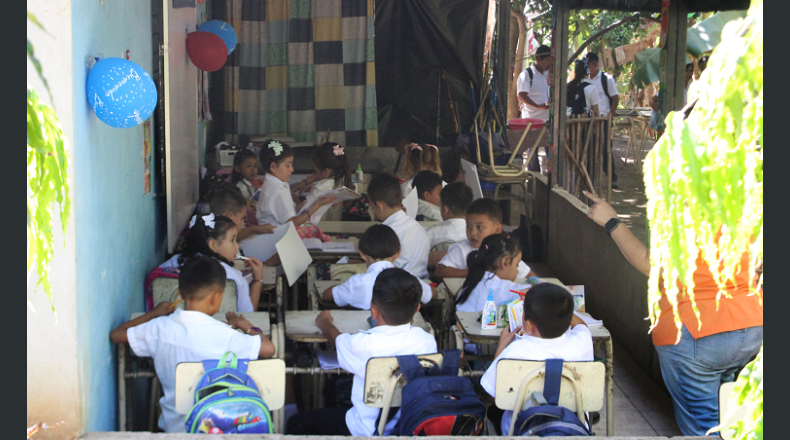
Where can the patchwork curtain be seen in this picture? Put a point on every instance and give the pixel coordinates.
(301, 67)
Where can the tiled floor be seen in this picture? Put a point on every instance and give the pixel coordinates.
(641, 407)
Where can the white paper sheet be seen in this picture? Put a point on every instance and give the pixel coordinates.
(328, 359)
(588, 319)
(411, 203)
(471, 178)
(263, 246)
(293, 254)
(342, 195)
(338, 246)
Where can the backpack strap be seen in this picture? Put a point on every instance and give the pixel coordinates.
(410, 367)
(552, 382)
(605, 83)
(529, 72)
(451, 362)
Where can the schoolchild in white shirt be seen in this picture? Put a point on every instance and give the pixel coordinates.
(215, 236)
(245, 170)
(483, 218)
(455, 200)
(379, 247)
(492, 267)
(190, 335)
(330, 171)
(277, 205)
(231, 204)
(552, 330)
(395, 300)
(419, 157)
(387, 204)
(428, 185)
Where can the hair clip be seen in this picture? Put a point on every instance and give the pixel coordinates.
(338, 150)
(434, 147)
(277, 147)
(485, 247)
(415, 146)
(207, 219)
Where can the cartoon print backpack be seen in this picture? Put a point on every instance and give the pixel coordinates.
(439, 402)
(548, 419)
(227, 400)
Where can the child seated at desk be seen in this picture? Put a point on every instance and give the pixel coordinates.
(395, 300)
(215, 236)
(190, 335)
(277, 205)
(245, 173)
(455, 199)
(330, 171)
(428, 186)
(483, 218)
(385, 198)
(419, 157)
(553, 331)
(378, 247)
(231, 204)
(492, 267)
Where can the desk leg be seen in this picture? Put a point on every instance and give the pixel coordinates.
(121, 387)
(609, 388)
(312, 293)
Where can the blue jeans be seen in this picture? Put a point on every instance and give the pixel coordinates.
(694, 369)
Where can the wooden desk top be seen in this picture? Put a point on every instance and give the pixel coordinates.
(258, 319)
(300, 325)
(468, 324)
(355, 228)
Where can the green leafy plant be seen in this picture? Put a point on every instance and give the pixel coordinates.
(704, 183)
(47, 179)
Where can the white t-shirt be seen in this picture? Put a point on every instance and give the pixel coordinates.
(538, 92)
(243, 301)
(185, 336)
(450, 230)
(456, 258)
(431, 212)
(276, 205)
(603, 100)
(353, 353)
(246, 188)
(358, 290)
(414, 244)
(574, 346)
(318, 189)
(499, 287)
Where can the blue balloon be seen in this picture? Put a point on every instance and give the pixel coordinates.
(223, 30)
(121, 93)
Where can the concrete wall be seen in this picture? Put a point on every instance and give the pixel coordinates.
(52, 373)
(581, 252)
(119, 231)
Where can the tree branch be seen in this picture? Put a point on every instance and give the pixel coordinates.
(603, 31)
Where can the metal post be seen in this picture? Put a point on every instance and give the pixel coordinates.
(676, 56)
(503, 54)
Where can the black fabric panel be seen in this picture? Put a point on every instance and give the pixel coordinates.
(255, 10)
(327, 52)
(414, 40)
(332, 119)
(252, 78)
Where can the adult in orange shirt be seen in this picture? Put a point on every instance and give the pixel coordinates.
(709, 353)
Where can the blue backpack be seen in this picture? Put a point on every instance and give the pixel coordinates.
(438, 402)
(549, 419)
(227, 400)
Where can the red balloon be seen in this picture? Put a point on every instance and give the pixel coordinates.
(207, 50)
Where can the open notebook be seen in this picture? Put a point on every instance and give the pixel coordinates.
(329, 246)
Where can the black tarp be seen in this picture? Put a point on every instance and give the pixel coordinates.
(414, 41)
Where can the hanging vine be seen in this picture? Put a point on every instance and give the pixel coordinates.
(704, 184)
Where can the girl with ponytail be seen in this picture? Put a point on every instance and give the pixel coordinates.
(493, 266)
(215, 236)
(420, 157)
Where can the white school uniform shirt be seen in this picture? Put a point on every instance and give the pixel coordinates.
(499, 287)
(431, 212)
(573, 346)
(414, 244)
(405, 187)
(456, 258)
(243, 301)
(275, 205)
(358, 290)
(353, 353)
(450, 230)
(246, 188)
(185, 336)
(538, 92)
(318, 189)
(603, 100)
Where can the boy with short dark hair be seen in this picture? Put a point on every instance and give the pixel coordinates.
(379, 247)
(230, 203)
(483, 218)
(548, 314)
(428, 186)
(395, 300)
(387, 203)
(455, 200)
(192, 334)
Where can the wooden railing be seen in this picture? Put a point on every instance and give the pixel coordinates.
(587, 142)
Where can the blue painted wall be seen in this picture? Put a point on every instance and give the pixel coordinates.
(119, 231)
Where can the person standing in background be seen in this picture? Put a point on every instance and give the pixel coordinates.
(608, 102)
(533, 95)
